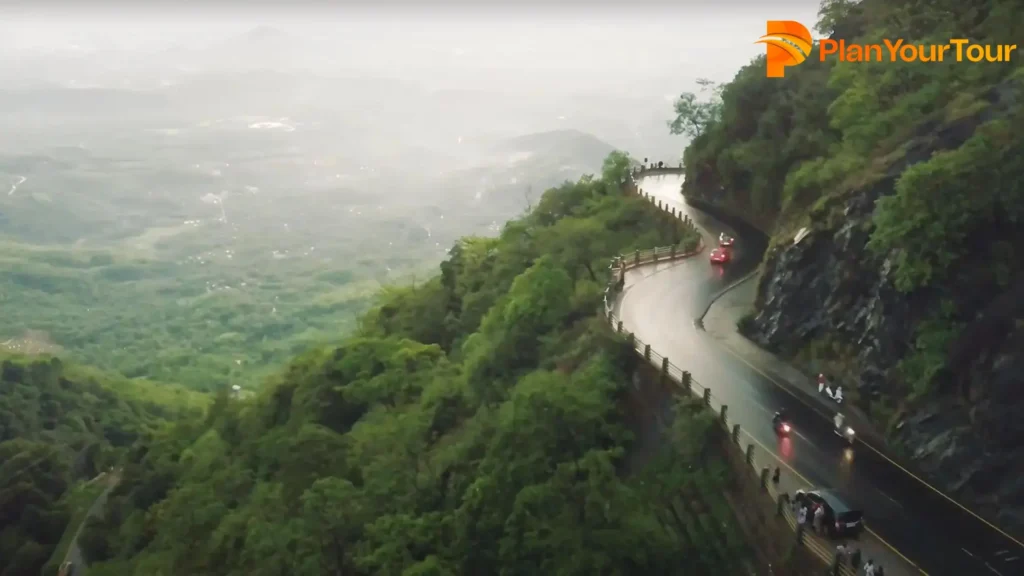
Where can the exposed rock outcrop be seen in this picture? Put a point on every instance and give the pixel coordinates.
(966, 434)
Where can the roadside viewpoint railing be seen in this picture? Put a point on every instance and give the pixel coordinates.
(624, 262)
(767, 511)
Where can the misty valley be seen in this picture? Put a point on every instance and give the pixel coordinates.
(147, 235)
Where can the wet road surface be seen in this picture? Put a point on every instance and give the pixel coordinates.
(660, 304)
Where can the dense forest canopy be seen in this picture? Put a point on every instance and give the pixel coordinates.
(474, 424)
(61, 425)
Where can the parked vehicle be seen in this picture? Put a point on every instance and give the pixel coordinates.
(841, 519)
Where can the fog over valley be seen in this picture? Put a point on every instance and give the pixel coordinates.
(194, 199)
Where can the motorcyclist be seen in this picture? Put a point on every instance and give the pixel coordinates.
(780, 417)
(838, 421)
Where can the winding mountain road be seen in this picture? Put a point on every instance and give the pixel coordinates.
(661, 304)
(14, 186)
(74, 553)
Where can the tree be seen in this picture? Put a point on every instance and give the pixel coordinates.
(576, 244)
(694, 116)
(334, 515)
(830, 12)
(615, 168)
(33, 478)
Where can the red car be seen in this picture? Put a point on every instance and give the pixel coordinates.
(719, 256)
(725, 241)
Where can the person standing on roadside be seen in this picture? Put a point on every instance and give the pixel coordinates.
(869, 568)
(855, 559)
(801, 516)
(819, 518)
(841, 553)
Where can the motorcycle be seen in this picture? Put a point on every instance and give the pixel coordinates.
(846, 433)
(782, 427)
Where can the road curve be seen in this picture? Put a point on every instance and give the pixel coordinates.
(74, 553)
(660, 304)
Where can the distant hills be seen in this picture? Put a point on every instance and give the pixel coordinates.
(572, 145)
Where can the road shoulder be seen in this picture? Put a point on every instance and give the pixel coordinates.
(720, 324)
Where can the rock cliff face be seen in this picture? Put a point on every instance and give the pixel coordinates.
(967, 434)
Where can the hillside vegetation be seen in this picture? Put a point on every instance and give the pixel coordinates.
(909, 177)
(473, 425)
(211, 254)
(61, 425)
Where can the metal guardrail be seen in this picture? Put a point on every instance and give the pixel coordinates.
(684, 381)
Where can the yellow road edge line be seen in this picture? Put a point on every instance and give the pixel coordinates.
(894, 550)
(873, 449)
(735, 354)
(811, 484)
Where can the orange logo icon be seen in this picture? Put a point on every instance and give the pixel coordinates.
(789, 43)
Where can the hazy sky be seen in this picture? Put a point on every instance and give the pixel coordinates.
(698, 39)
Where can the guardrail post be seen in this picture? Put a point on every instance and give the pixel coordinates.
(736, 433)
(619, 328)
(636, 257)
(647, 351)
(687, 381)
(672, 254)
(664, 365)
(764, 477)
(781, 503)
(631, 338)
(707, 396)
(750, 453)
(654, 255)
(723, 412)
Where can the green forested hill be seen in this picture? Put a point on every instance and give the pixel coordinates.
(60, 425)
(908, 179)
(473, 426)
